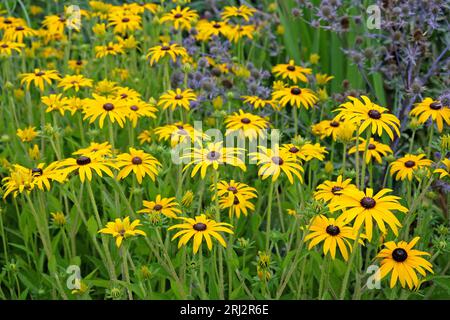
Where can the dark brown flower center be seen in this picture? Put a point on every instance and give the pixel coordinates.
(79, 62)
(245, 120)
(335, 190)
(82, 161)
(399, 255)
(36, 172)
(199, 226)
(232, 189)
(436, 105)
(4, 46)
(410, 164)
(277, 160)
(39, 74)
(178, 97)
(368, 202)
(109, 48)
(375, 114)
(165, 48)
(180, 127)
(333, 230)
(236, 201)
(126, 20)
(296, 91)
(157, 207)
(123, 95)
(134, 108)
(136, 160)
(294, 150)
(216, 25)
(334, 124)
(178, 16)
(108, 106)
(371, 146)
(290, 68)
(213, 155)
(20, 28)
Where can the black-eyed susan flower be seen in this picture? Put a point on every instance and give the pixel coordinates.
(8, 47)
(323, 79)
(124, 22)
(246, 125)
(77, 65)
(180, 18)
(433, 109)
(375, 150)
(145, 137)
(123, 229)
(240, 31)
(242, 11)
(101, 107)
(232, 189)
(95, 149)
(74, 81)
(272, 162)
(369, 116)
(18, 33)
(402, 262)
(178, 133)
(111, 49)
(257, 102)
(404, 167)
(213, 154)
(207, 29)
(20, 180)
(85, 166)
(200, 227)
(140, 163)
(137, 109)
(334, 233)
(177, 98)
(39, 78)
(165, 206)
(291, 71)
(27, 134)
(295, 96)
(307, 151)
(55, 102)
(364, 207)
(173, 51)
(237, 206)
(445, 171)
(42, 175)
(329, 191)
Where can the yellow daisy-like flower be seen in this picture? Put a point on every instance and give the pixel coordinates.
(364, 207)
(140, 163)
(444, 172)
(241, 11)
(124, 22)
(375, 150)
(199, 228)
(323, 79)
(369, 115)
(74, 81)
(402, 262)
(42, 175)
(334, 233)
(178, 133)
(55, 102)
(74, 104)
(307, 151)
(257, 102)
(273, 162)
(404, 167)
(123, 229)
(433, 109)
(112, 49)
(215, 155)
(207, 29)
(165, 206)
(102, 107)
(39, 78)
(295, 96)
(177, 98)
(240, 31)
(233, 189)
(95, 149)
(85, 166)
(246, 124)
(27, 134)
(180, 18)
(145, 137)
(291, 71)
(18, 33)
(7, 47)
(77, 65)
(330, 191)
(237, 206)
(139, 109)
(19, 180)
(156, 53)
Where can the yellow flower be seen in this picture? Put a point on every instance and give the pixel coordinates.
(138, 109)
(322, 79)
(74, 81)
(77, 65)
(180, 18)
(177, 98)
(7, 47)
(246, 124)
(99, 29)
(273, 162)
(433, 109)
(291, 71)
(95, 149)
(187, 199)
(58, 219)
(178, 133)
(306, 152)
(145, 137)
(165, 206)
(241, 11)
(330, 191)
(85, 166)
(404, 167)
(156, 53)
(124, 22)
(375, 150)
(214, 154)
(55, 102)
(102, 107)
(207, 29)
(140, 163)
(295, 96)
(239, 31)
(39, 77)
(334, 232)
(112, 49)
(200, 228)
(27, 134)
(257, 102)
(123, 229)
(34, 152)
(402, 261)
(314, 58)
(444, 172)
(19, 180)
